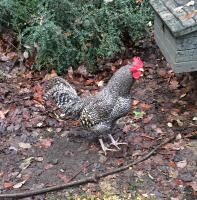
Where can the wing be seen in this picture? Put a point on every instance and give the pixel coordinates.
(97, 110)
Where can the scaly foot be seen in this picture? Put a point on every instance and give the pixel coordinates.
(104, 148)
(115, 142)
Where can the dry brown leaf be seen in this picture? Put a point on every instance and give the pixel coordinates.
(138, 1)
(113, 68)
(38, 97)
(90, 80)
(181, 164)
(76, 123)
(162, 72)
(8, 56)
(126, 128)
(135, 102)
(148, 119)
(188, 15)
(49, 76)
(8, 184)
(146, 106)
(63, 178)
(172, 164)
(39, 159)
(174, 84)
(3, 113)
(48, 166)
(70, 73)
(147, 136)
(45, 142)
(82, 71)
(66, 33)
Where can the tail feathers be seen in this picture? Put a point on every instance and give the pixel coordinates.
(58, 81)
(65, 96)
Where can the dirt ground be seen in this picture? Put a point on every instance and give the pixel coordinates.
(40, 147)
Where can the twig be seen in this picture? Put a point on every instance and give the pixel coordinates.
(78, 172)
(94, 178)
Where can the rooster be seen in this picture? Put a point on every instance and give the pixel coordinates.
(98, 113)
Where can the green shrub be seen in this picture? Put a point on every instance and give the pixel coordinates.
(71, 32)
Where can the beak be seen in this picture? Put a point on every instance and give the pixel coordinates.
(141, 69)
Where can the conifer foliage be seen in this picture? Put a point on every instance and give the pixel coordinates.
(70, 32)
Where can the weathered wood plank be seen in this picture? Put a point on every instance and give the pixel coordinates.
(184, 67)
(171, 16)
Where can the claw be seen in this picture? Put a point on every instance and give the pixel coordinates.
(115, 142)
(104, 148)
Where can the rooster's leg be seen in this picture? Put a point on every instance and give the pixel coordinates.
(115, 142)
(104, 148)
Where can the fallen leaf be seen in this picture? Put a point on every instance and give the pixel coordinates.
(179, 145)
(190, 3)
(49, 76)
(76, 123)
(39, 124)
(8, 185)
(135, 102)
(174, 84)
(162, 72)
(3, 113)
(180, 123)
(194, 185)
(100, 83)
(146, 106)
(82, 71)
(179, 9)
(47, 142)
(138, 1)
(148, 119)
(90, 80)
(194, 118)
(181, 164)
(24, 145)
(49, 129)
(150, 176)
(70, 73)
(172, 164)
(137, 113)
(126, 128)
(113, 68)
(170, 124)
(39, 159)
(120, 161)
(147, 136)
(183, 95)
(63, 178)
(19, 185)
(1, 173)
(48, 166)
(178, 182)
(37, 88)
(29, 61)
(145, 195)
(26, 54)
(8, 56)
(188, 15)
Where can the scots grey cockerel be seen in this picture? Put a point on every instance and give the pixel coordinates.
(98, 113)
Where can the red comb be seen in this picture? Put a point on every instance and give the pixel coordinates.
(138, 64)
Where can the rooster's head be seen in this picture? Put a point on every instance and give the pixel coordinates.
(136, 67)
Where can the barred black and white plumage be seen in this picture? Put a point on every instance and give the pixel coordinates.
(65, 96)
(98, 113)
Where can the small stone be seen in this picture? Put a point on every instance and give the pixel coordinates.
(169, 124)
(54, 161)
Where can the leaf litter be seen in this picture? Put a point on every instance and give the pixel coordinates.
(158, 99)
